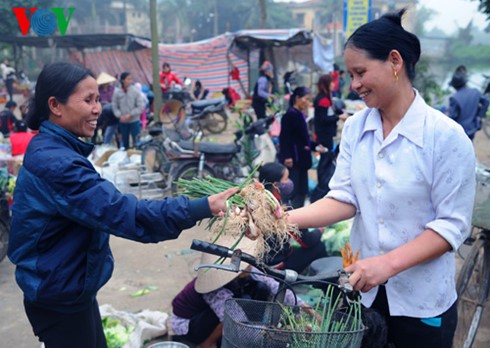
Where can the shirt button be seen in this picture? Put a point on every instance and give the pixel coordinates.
(378, 185)
(381, 221)
(381, 155)
(381, 252)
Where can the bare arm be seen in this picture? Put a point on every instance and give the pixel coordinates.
(370, 272)
(323, 212)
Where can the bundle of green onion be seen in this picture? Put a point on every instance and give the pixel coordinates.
(253, 211)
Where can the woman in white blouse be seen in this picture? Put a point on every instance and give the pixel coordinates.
(406, 174)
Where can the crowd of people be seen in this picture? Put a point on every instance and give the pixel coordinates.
(410, 197)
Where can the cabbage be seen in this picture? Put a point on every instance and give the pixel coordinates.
(116, 334)
(335, 237)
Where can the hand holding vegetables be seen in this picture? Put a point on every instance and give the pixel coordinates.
(217, 202)
(249, 211)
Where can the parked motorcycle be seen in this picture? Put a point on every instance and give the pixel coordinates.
(162, 152)
(234, 161)
(167, 153)
(208, 114)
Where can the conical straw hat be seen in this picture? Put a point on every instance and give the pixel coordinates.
(104, 78)
(210, 279)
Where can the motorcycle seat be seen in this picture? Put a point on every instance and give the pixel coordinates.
(199, 105)
(211, 148)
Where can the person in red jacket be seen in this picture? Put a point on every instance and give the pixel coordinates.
(168, 78)
(20, 138)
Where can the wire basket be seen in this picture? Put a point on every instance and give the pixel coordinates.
(250, 323)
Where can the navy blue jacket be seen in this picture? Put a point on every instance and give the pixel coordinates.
(63, 214)
(467, 107)
(294, 139)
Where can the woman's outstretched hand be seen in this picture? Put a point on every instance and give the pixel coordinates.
(217, 201)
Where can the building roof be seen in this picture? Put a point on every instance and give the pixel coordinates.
(79, 41)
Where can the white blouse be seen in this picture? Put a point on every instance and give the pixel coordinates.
(421, 176)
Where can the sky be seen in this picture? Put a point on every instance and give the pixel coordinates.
(451, 14)
(454, 13)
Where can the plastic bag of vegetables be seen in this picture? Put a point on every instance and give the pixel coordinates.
(116, 333)
(124, 329)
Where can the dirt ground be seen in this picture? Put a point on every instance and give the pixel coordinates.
(164, 267)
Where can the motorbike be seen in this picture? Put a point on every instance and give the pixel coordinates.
(167, 152)
(234, 161)
(208, 114)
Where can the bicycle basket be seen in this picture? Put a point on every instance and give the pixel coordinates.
(250, 323)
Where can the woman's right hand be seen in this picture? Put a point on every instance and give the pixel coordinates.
(217, 202)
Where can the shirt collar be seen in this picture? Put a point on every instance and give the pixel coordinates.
(411, 125)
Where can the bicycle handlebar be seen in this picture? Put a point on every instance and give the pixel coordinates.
(210, 248)
(339, 278)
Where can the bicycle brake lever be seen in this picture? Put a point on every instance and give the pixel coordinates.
(231, 267)
(234, 265)
(350, 294)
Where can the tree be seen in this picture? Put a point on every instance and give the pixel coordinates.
(426, 84)
(198, 20)
(484, 7)
(424, 15)
(263, 13)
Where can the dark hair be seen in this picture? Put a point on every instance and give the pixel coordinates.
(459, 78)
(323, 85)
(57, 80)
(10, 104)
(198, 84)
(270, 173)
(382, 35)
(20, 126)
(299, 92)
(165, 65)
(124, 75)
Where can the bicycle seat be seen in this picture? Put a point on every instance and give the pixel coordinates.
(211, 148)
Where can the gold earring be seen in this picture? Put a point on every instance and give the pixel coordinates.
(396, 75)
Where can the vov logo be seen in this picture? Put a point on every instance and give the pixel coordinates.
(43, 21)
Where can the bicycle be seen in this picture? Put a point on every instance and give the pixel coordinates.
(485, 121)
(473, 281)
(271, 324)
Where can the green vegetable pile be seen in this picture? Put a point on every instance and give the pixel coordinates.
(116, 334)
(325, 317)
(336, 236)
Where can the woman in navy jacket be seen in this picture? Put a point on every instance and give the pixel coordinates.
(64, 212)
(296, 145)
